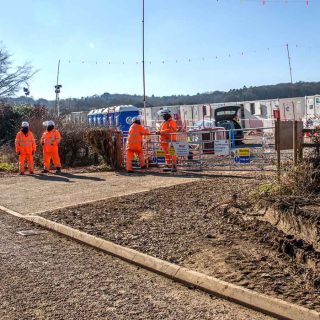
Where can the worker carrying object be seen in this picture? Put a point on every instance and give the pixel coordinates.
(167, 133)
(134, 143)
(25, 148)
(50, 141)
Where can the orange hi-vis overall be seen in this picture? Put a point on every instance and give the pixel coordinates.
(134, 145)
(25, 147)
(168, 131)
(50, 141)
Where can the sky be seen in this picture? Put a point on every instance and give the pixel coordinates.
(191, 46)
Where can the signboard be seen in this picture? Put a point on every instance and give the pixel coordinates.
(221, 147)
(181, 149)
(286, 134)
(242, 155)
(160, 156)
(172, 151)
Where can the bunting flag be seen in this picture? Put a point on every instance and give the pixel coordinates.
(264, 2)
(242, 53)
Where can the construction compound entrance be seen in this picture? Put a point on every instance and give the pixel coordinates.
(215, 149)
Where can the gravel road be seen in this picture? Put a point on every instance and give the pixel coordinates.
(51, 277)
(186, 224)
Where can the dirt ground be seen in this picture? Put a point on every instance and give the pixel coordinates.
(187, 224)
(51, 277)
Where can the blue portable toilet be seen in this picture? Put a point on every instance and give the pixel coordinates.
(99, 117)
(124, 115)
(111, 117)
(105, 115)
(94, 118)
(90, 118)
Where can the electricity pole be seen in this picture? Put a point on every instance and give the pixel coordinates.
(143, 68)
(57, 91)
(292, 87)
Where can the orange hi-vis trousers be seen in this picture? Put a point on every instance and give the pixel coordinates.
(130, 156)
(170, 160)
(47, 156)
(22, 159)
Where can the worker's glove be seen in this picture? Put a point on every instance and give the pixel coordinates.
(42, 143)
(18, 153)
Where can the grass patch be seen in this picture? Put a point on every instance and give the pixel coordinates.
(7, 167)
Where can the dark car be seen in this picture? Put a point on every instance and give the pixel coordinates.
(226, 117)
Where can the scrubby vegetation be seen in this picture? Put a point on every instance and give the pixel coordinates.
(294, 185)
(108, 144)
(74, 149)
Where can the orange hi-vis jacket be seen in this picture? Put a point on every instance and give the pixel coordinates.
(25, 144)
(134, 141)
(168, 131)
(50, 141)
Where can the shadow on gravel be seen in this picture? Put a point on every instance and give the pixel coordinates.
(79, 177)
(184, 175)
(64, 177)
(50, 178)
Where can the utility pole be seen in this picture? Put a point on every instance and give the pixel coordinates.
(57, 91)
(292, 87)
(143, 68)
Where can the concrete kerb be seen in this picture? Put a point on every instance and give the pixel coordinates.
(269, 305)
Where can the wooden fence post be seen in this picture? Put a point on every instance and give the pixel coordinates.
(277, 141)
(295, 142)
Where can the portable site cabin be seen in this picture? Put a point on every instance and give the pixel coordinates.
(312, 104)
(292, 108)
(152, 117)
(259, 113)
(79, 117)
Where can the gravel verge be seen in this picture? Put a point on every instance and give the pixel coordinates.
(51, 277)
(186, 224)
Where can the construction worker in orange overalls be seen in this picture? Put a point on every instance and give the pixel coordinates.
(50, 143)
(167, 133)
(134, 143)
(25, 148)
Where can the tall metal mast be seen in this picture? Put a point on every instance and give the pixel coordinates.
(57, 90)
(292, 86)
(143, 67)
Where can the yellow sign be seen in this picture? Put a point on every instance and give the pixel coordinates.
(160, 153)
(172, 151)
(243, 152)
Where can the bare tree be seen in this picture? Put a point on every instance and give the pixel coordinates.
(12, 78)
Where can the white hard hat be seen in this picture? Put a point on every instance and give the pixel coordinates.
(25, 124)
(163, 112)
(136, 118)
(50, 123)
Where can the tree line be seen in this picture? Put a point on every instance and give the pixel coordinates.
(13, 79)
(281, 90)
